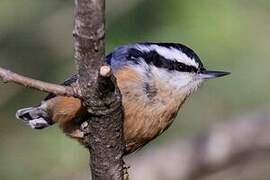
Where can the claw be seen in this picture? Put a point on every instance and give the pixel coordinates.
(77, 134)
(125, 171)
(84, 126)
(39, 123)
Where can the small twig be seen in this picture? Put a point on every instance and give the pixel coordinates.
(105, 71)
(8, 76)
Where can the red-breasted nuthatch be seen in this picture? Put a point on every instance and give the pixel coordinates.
(155, 79)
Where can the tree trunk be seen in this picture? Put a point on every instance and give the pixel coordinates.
(99, 91)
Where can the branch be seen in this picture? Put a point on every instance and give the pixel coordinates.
(8, 76)
(223, 146)
(100, 93)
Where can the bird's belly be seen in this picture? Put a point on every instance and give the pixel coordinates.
(149, 110)
(141, 126)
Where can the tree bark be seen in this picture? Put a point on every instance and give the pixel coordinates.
(99, 90)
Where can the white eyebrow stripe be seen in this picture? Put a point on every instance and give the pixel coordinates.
(170, 53)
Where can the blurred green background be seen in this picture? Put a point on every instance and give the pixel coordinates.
(35, 40)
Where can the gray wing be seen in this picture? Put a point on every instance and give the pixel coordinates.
(72, 79)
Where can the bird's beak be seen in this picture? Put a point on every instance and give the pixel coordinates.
(205, 74)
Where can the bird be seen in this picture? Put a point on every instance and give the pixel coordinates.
(155, 80)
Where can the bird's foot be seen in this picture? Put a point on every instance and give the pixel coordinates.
(81, 132)
(125, 171)
(84, 127)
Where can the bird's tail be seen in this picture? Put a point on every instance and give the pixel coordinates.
(36, 117)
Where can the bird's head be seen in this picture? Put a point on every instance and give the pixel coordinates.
(175, 65)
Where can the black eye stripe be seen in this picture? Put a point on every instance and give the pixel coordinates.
(152, 57)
